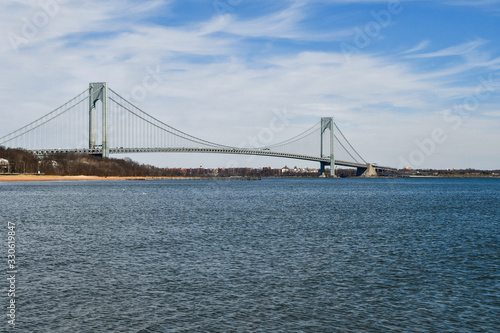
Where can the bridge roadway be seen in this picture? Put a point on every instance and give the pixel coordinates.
(240, 151)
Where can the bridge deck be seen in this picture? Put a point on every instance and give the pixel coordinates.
(238, 151)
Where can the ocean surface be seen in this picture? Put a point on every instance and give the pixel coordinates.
(276, 255)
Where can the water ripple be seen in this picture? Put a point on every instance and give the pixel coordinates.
(294, 255)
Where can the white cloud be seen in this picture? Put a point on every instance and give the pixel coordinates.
(478, 3)
(283, 24)
(211, 87)
(457, 50)
(422, 45)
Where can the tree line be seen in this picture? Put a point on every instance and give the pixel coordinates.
(73, 164)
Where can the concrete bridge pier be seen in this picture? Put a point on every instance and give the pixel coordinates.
(322, 169)
(368, 171)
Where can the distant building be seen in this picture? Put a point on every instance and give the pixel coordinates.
(4, 166)
(298, 170)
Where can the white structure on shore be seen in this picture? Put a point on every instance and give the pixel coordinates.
(4, 166)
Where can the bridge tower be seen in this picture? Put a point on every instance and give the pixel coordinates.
(99, 92)
(327, 124)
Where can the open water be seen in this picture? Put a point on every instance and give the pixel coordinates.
(277, 255)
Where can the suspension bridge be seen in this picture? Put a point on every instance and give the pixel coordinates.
(99, 121)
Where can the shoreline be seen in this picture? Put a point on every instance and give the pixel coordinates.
(51, 178)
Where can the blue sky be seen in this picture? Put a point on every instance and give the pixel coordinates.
(410, 83)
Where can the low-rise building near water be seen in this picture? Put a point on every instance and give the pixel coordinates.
(4, 166)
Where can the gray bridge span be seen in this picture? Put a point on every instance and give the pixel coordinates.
(99, 118)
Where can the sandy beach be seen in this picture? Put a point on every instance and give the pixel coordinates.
(38, 178)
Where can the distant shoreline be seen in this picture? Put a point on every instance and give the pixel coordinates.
(52, 178)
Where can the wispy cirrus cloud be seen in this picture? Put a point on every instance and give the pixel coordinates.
(420, 46)
(478, 3)
(457, 50)
(286, 23)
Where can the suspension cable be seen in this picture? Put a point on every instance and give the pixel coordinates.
(189, 138)
(41, 118)
(338, 129)
(340, 143)
(166, 125)
(295, 138)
